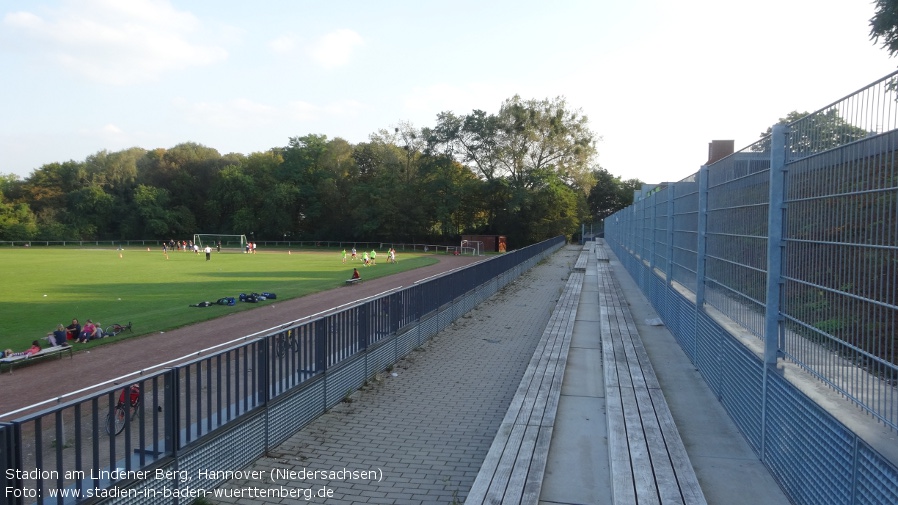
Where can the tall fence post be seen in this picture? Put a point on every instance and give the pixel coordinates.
(264, 375)
(701, 238)
(172, 411)
(18, 461)
(8, 458)
(775, 217)
(701, 246)
(651, 232)
(671, 193)
(364, 328)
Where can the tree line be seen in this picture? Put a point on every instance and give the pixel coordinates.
(527, 172)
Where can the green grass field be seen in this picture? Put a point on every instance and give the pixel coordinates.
(48, 286)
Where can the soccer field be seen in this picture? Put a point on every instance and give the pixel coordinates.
(49, 286)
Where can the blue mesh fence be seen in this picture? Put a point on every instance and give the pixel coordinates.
(792, 240)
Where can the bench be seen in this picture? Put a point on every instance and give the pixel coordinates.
(583, 258)
(353, 281)
(513, 469)
(44, 353)
(601, 253)
(649, 463)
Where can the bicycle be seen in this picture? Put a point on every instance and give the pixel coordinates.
(284, 342)
(124, 410)
(115, 329)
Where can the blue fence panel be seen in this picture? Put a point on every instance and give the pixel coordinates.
(875, 482)
(736, 254)
(710, 337)
(808, 452)
(741, 387)
(841, 273)
(659, 230)
(685, 232)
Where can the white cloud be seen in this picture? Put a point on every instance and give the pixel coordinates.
(335, 49)
(23, 20)
(106, 132)
(91, 139)
(282, 45)
(344, 108)
(115, 42)
(111, 129)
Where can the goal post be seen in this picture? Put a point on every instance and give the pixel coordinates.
(234, 243)
(472, 247)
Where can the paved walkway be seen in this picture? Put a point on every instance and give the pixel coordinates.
(426, 427)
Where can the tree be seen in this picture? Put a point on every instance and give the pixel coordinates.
(8, 182)
(17, 222)
(538, 135)
(90, 211)
(338, 163)
(47, 187)
(526, 147)
(412, 141)
(817, 132)
(383, 200)
(550, 211)
(610, 194)
(471, 140)
(884, 24)
(525, 137)
(152, 205)
(233, 190)
(116, 172)
(450, 198)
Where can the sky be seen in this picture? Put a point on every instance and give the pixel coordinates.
(658, 80)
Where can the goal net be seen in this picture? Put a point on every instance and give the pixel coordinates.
(472, 247)
(232, 243)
